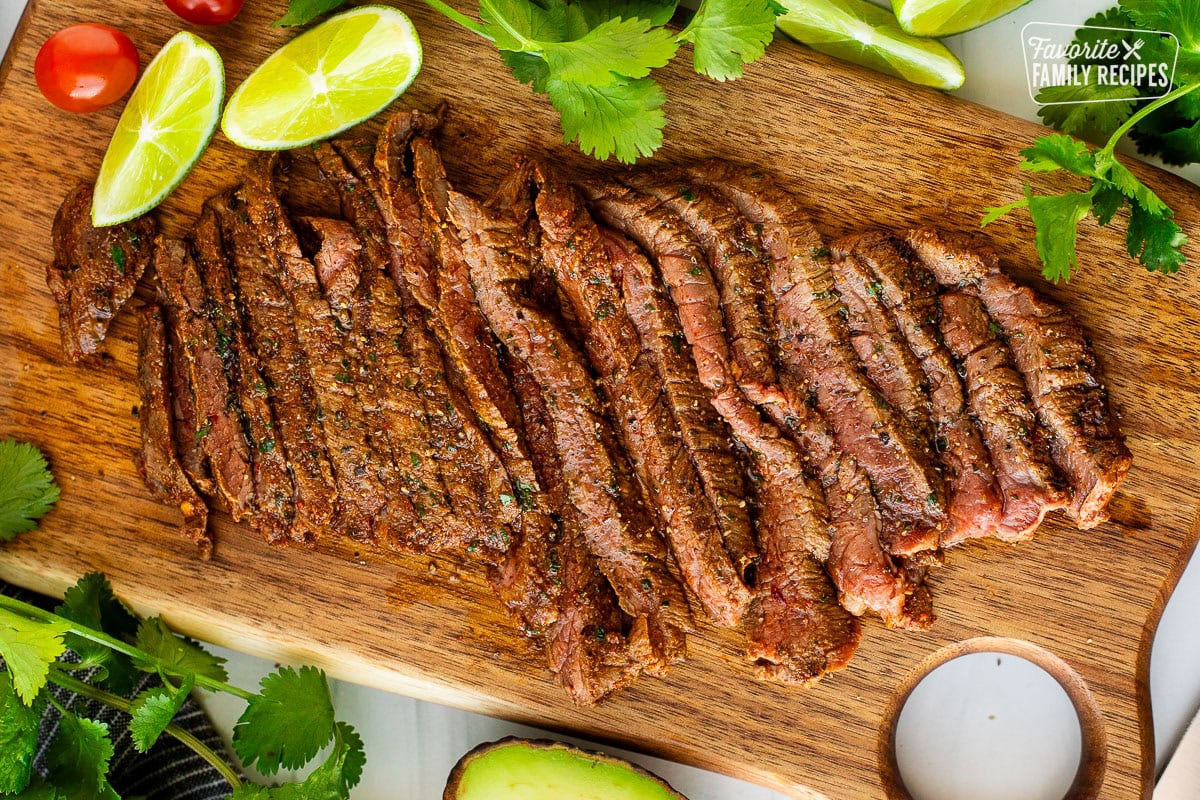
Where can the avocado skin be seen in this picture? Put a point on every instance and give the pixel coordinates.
(550, 770)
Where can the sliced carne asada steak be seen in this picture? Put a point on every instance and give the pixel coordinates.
(332, 360)
(909, 292)
(274, 493)
(284, 370)
(186, 428)
(907, 485)
(703, 432)
(1028, 481)
(573, 251)
(219, 434)
(1058, 363)
(793, 526)
(156, 461)
(94, 270)
(495, 248)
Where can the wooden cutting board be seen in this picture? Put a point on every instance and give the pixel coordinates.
(864, 151)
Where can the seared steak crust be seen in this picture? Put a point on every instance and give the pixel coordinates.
(273, 489)
(1059, 366)
(94, 270)
(1029, 484)
(495, 248)
(220, 435)
(573, 251)
(157, 461)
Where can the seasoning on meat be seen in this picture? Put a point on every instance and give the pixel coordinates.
(94, 270)
(157, 461)
(1057, 362)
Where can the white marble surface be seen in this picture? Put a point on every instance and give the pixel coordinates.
(985, 727)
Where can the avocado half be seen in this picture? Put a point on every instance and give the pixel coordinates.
(539, 769)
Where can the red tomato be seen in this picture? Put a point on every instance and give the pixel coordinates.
(86, 67)
(205, 12)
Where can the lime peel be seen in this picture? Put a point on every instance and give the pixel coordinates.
(949, 17)
(326, 80)
(164, 129)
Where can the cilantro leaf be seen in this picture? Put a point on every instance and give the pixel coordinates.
(153, 711)
(302, 12)
(624, 118)
(1155, 240)
(1137, 192)
(1056, 219)
(1170, 134)
(521, 25)
(287, 723)
(91, 603)
(656, 12)
(728, 34)
(616, 49)
(27, 489)
(1089, 111)
(79, 758)
(1180, 17)
(38, 789)
(177, 655)
(1057, 151)
(333, 780)
(29, 647)
(18, 737)
(527, 68)
(1106, 202)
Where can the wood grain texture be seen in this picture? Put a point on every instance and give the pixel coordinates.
(864, 151)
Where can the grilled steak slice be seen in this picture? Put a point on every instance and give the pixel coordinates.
(1028, 481)
(584, 638)
(332, 360)
(574, 252)
(284, 368)
(495, 248)
(1059, 366)
(792, 526)
(156, 461)
(220, 434)
(909, 292)
(186, 428)
(273, 493)
(94, 270)
(907, 485)
(704, 434)
(455, 479)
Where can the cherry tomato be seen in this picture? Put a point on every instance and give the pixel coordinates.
(86, 67)
(205, 12)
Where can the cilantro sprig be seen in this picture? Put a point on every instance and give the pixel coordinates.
(287, 723)
(594, 59)
(27, 489)
(1168, 127)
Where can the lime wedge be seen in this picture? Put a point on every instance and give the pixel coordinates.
(863, 33)
(327, 79)
(167, 123)
(948, 17)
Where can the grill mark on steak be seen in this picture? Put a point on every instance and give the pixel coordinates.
(1058, 363)
(273, 489)
(94, 270)
(574, 253)
(704, 433)
(332, 361)
(909, 292)
(632, 558)
(284, 368)
(584, 638)
(1028, 481)
(907, 487)
(792, 528)
(157, 461)
(220, 435)
(185, 429)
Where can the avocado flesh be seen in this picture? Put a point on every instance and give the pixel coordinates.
(521, 771)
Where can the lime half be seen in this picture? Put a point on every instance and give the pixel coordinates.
(948, 17)
(327, 79)
(864, 33)
(167, 123)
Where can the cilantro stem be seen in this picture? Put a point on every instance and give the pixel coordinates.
(12, 604)
(1145, 111)
(459, 17)
(121, 704)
